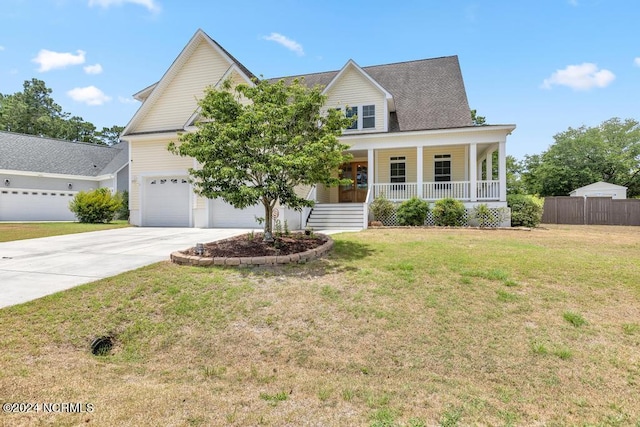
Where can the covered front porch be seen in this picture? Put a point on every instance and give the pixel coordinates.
(474, 172)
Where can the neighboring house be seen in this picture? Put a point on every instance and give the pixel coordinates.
(413, 137)
(601, 189)
(40, 176)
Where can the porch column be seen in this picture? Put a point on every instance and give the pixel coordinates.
(419, 171)
(371, 172)
(502, 170)
(490, 165)
(473, 171)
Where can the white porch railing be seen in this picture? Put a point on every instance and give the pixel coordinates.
(441, 190)
(395, 192)
(488, 190)
(461, 190)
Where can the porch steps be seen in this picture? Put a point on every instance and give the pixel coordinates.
(337, 216)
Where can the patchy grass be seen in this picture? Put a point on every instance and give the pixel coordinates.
(31, 230)
(396, 328)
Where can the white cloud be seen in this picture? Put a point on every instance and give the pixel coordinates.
(151, 5)
(1, 48)
(50, 60)
(89, 95)
(580, 77)
(93, 69)
(637, 61)
(292, 45)
(573, 2)
(124, 100)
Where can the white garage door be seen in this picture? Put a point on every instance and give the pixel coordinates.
(223, 215)
(35, 205)
(166, 202)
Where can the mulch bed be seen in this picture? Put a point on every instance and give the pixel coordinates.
(248, 245)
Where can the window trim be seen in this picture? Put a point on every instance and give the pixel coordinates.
(441, 158)
(359, 111)
(397, 160)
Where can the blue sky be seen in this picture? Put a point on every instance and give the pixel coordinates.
(543, 65)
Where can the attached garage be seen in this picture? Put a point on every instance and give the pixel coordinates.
(40, 176)
(223, 215)
(166, 201)
(35, 205)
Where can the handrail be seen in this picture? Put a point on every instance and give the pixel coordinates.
(366, 200)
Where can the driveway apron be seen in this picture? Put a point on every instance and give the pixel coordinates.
(33, 268)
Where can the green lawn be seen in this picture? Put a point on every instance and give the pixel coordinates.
(31, 230)
(396, 327)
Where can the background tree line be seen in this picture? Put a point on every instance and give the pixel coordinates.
(609, 152)
(34, 112)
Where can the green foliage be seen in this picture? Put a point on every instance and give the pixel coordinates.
(526, 210)
(485, 216)
(95, 206)
(382, 209)
(123, 210)
(478, 120)
(412, 212)
(609, 152)
(34, 112)
(449, 212)
(482, 214)
(259, 151)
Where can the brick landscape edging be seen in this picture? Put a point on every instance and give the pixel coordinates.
(300, 258)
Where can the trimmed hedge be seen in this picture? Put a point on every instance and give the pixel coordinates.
(526, 210)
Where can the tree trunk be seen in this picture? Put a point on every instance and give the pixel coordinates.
(268, 221)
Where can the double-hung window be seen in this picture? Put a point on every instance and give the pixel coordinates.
(365, 116)
(442, 168)
(352, 112)
(368, 116)
(398, 169)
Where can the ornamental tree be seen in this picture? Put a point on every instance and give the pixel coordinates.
(256, 142)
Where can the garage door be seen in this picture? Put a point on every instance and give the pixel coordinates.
(223, 215)
(166, 202)
(35, 205)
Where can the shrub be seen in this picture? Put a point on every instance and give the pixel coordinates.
(526, 210)
(449, 212)
(96, 205)
(412, 212)
(123, 211)
(485, 216)
(382, 209)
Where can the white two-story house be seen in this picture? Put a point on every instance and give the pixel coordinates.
(413, 137)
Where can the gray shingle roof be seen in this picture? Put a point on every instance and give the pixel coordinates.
(428, 93)
(47, 155)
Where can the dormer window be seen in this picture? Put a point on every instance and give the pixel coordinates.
(351, 112)
(366, 116)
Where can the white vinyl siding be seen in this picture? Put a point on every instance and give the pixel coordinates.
(152, 157)
(355, 89)
(179, 99)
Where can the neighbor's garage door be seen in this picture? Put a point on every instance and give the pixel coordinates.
(35, 205)
(166, 202)
(223, 215)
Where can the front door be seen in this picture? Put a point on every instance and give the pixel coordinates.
(356, 192)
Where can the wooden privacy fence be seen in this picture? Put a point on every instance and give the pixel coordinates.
(591, 210)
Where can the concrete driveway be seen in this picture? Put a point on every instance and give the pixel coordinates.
(33, 268)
